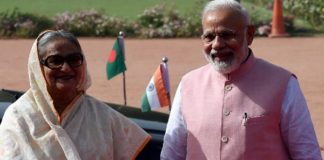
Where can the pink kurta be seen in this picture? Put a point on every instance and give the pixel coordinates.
(242, 116)
(235, 116)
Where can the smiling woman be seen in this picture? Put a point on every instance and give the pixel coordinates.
(61, 59)
(56, 119)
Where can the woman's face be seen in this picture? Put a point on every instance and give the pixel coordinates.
(63, 80)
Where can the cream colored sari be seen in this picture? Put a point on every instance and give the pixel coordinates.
(88, 129)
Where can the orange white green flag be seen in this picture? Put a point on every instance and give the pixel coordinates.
(157, 91)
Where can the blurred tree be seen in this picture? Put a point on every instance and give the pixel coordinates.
(309, 10)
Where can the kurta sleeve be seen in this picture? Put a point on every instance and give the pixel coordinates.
(175, 139)
(296, 125)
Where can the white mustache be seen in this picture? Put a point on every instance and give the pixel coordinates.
(213, 52)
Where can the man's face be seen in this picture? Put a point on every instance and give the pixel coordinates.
(226, 37)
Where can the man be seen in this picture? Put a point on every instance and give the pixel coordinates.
(237, 106)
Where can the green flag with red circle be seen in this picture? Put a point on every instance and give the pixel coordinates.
(116, 62)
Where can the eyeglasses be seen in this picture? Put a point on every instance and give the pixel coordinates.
(227, 36)
(56, 61)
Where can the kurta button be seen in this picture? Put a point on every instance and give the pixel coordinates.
(224, 139)
(228, 87)
(226, 112)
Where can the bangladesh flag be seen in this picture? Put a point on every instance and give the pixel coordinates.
(116, 61)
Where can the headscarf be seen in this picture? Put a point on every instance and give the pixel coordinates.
(32, 129)
(38, 84)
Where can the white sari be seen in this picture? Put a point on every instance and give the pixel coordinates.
(87, 129)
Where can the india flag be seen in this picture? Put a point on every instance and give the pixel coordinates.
(157, 91)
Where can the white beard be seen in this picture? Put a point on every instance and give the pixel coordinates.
(223, 67)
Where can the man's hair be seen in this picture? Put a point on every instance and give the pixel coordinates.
(216, 5)
(49, 36)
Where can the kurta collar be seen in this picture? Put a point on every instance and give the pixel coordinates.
(244, 68)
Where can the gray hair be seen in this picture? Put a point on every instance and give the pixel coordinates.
(216, 5)
(49, 36)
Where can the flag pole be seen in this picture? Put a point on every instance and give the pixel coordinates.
(121, 42)
(165, 61)
(124, 88)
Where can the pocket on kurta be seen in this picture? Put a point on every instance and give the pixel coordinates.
(259, 120)
(262, 133)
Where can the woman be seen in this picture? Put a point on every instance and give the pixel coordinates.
(55, 119)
